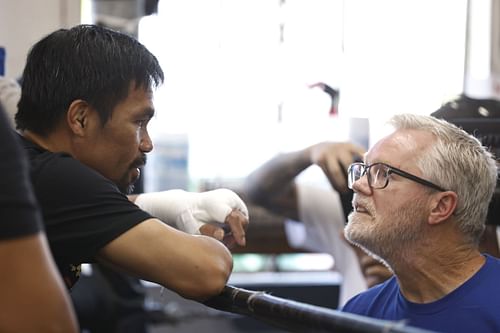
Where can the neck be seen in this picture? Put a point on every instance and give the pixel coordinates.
(430, 274)
(53, 142)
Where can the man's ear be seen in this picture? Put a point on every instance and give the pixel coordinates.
(77, 116)
(443, 205)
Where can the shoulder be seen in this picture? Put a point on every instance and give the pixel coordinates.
(64, 185)
(491, 266)
(61, 174)
(376, 298)
(490, 272)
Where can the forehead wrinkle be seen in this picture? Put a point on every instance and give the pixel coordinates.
(399, 149)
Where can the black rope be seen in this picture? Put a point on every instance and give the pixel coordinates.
(300, 317)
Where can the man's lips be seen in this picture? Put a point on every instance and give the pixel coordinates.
(360, 208)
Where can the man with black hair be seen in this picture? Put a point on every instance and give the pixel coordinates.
(87, 98)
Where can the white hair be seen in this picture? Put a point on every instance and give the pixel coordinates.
(457, 162)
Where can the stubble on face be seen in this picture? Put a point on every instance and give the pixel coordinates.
(387, 235)
(126, 184)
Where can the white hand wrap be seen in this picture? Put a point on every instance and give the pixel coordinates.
(188, 211)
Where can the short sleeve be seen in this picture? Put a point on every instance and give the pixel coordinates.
(82, 210)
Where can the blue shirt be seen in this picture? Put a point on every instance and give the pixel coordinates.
(472, 307)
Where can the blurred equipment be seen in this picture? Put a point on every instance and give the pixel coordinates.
(333, 93)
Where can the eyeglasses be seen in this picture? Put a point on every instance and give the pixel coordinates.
(378, 175)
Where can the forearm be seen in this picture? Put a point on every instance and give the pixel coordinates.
(272, 185)
(195, 267)
(34, 298)
(276, 174)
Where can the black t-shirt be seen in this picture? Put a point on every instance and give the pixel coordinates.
(82, 210)
(19, 214)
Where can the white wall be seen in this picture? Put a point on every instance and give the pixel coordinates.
(240, 93)
(23, 22)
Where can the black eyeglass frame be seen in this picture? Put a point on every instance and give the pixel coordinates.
(391, 169)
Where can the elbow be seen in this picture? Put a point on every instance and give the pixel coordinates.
(211, 276)
(215, 285)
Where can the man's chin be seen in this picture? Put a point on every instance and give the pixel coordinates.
(134, 177)
(355, 230)
(127, 183)
(130, 189)
(127, 187)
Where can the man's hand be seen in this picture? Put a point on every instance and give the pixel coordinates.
(231, 233)
(219, 213)
(334, 159)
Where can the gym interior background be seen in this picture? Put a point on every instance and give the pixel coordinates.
(238, 91)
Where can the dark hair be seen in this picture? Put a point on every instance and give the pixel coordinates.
(86, 62)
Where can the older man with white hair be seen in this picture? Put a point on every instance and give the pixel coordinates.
(420, 204)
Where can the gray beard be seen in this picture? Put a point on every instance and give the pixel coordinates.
(387, 237)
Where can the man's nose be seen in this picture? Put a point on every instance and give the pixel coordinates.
(146, 144)
(362, 185)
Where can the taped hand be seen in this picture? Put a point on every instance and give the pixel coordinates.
(218, 213)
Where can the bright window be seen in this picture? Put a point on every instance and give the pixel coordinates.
(237, 75)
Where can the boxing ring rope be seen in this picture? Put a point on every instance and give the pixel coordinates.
(300, 317)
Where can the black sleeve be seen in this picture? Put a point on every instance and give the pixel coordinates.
(82, 210)
(19, 214)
